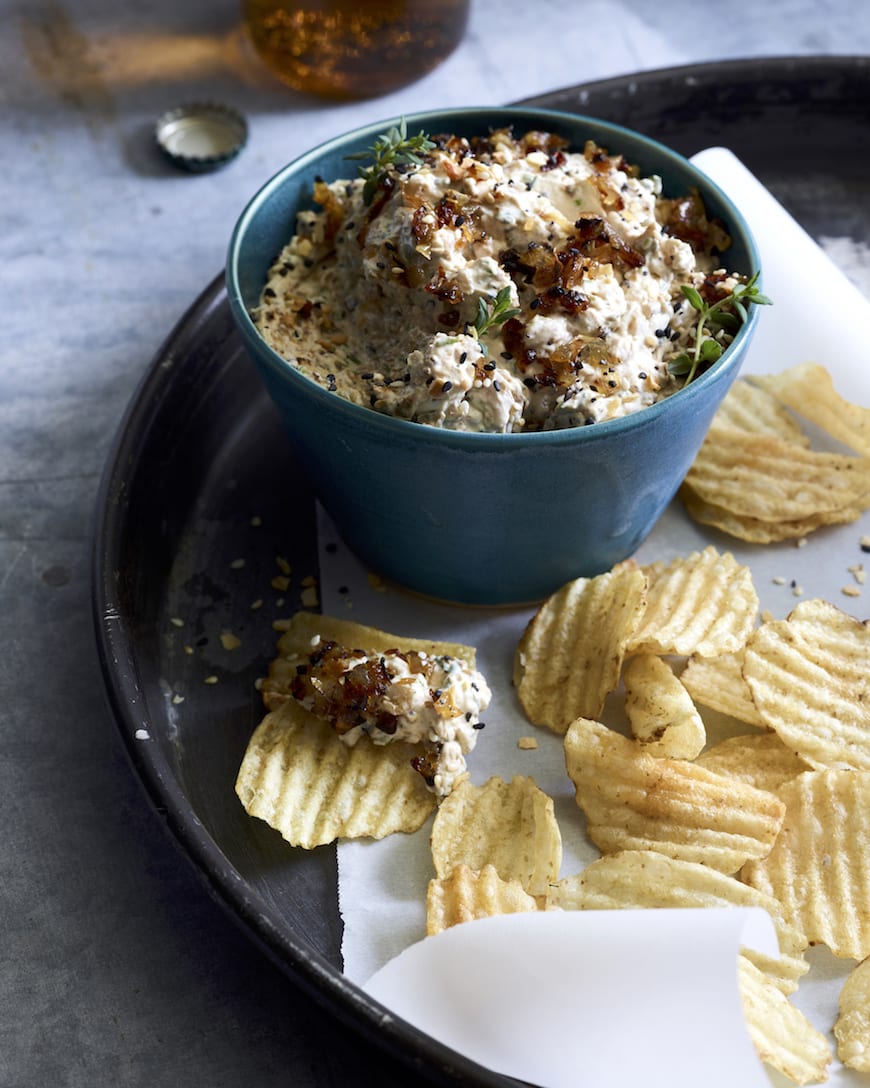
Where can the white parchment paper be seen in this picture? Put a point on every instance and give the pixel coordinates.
(818, 314)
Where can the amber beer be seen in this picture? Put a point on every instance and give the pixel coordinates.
(354, 48)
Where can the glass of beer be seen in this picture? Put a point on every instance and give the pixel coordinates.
(354, 48)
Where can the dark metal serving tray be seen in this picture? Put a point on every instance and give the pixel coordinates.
(200, 454)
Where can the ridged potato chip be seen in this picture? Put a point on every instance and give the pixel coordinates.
(648, 879)
(570, 655)
(660, 711)
(809, 676)
(300, 778)
(718, 683)
(760, 531)
(759, 759)
(467, 894)
(766, 477)
(818, 866)
(755, 410)
(704, 603)
(852, 1029)
(809, 389)
(509, 825)
(302, 631)
(781, 1034)
(635, 801)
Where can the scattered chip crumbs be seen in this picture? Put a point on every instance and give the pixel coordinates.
(309, 597)
(229, 641)
(801, 542)
(256, 521)
(258, 684)
(279, 602)
(376, 583)
(256, 604)
(188, 650)
(779, 580)
(309, 580)
(142, 734)
(797, 590)
(210, 679)
(527, 744)
(850, 591)
(176, 621)
(283, 565)
(865, 543)
(280, 582)
(858, 573)
(237, 564)
(177, 699)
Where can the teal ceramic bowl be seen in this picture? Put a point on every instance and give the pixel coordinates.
(491, 519)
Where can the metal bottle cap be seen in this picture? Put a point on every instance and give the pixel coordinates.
(201, 136)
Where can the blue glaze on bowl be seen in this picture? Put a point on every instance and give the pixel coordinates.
(489, 519)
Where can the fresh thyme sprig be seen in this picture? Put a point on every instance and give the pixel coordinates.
(393, 148)
(492, 312)
(728, 313)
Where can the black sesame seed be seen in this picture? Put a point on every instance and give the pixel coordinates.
(459, 220)
(506, 355)
(489, 366)
(479, 725)
(301, 670)
(446, 387)
(463, 356)
(496, 386)
(367, 377)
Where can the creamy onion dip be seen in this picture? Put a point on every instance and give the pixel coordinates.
(419, 698)
(379, 300)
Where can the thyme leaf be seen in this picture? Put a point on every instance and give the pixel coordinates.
(395, 147)
(727, 314)
(492, 312)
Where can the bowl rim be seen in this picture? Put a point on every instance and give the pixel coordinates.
(399, 428)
